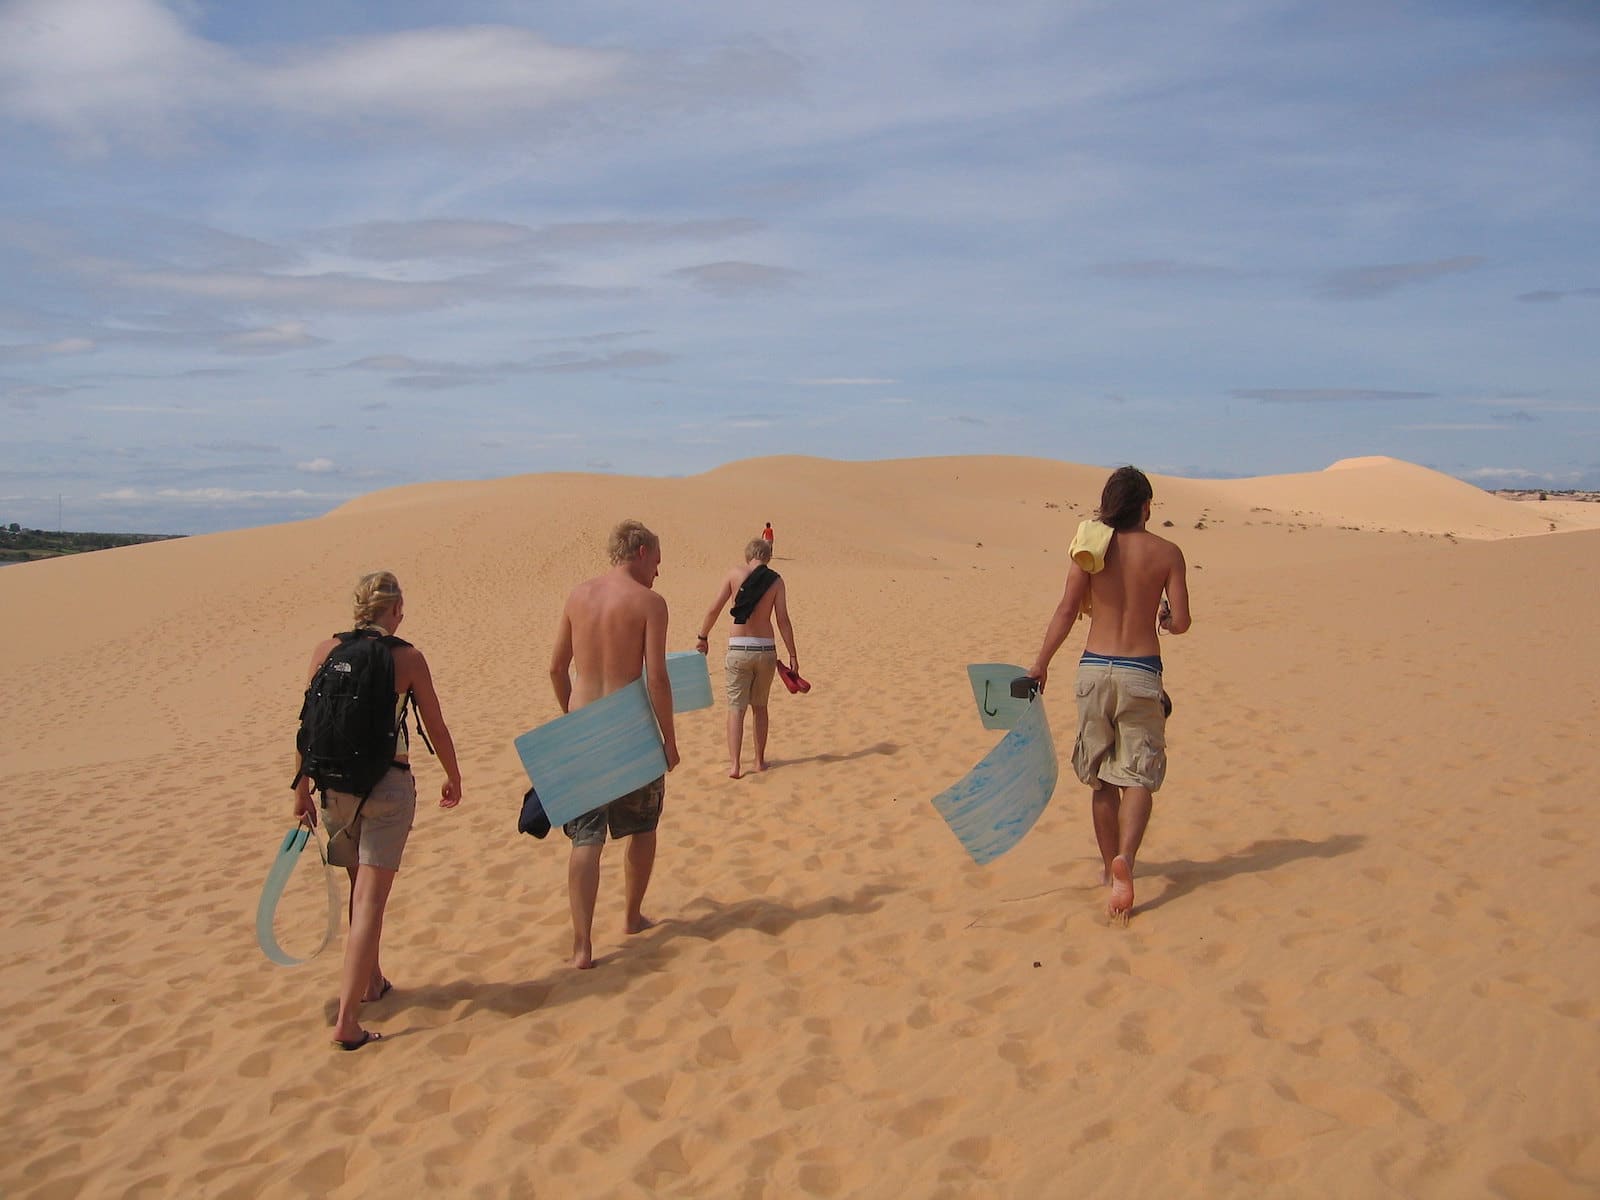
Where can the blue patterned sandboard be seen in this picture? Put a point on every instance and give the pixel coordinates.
(590, 756)
(999, 800)
(294, 842)
(690, 680)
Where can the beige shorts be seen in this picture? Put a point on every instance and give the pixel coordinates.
(1122, 732)
(379, 835)
(750, 675)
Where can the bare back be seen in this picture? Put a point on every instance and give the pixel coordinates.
(759, 622)
(1126, 595)
(608, 618)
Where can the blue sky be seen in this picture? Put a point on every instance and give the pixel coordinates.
(257, 258)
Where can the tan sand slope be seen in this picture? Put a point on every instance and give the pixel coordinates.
(1386, 494)
(1363, 960)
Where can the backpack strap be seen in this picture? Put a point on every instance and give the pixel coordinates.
(410, 703)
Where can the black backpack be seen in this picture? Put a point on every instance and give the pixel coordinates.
(348, 723)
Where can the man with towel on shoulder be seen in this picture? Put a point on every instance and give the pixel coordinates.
(758, 598)
(1130, 582)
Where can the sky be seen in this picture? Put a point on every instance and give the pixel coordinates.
(259, 258)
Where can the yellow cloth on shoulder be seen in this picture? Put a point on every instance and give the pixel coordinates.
(1088, 550)
(1089, 546)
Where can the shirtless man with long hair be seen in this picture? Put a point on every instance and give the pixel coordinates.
(1121, 748)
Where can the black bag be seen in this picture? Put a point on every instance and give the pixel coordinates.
(532, 819)
(348, 723)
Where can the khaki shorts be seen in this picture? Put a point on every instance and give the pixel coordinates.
(637, 812)
(1122, 732)
(749, 675)
(379, 835)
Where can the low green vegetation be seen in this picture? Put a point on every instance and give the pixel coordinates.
(25, 545)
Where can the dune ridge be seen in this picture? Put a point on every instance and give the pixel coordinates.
(1362, 961)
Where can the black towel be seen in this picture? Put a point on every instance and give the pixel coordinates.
(754, 587)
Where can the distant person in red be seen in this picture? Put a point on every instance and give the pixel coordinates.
(766, 534)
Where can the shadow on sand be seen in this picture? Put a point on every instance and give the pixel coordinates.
(1184, 875)
(644, 954)
(880, 748)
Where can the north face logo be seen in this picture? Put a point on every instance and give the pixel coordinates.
(340, 666)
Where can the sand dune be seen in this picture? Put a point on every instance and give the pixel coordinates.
(1378, 493)
(1363, 960)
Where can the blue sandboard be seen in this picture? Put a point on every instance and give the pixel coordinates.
(690, 680)
(991, 688)
(590, 756)
(294, 842)
(998, 801)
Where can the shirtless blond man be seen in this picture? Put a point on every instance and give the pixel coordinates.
(1121, 749)
(759, 599)
(613, 629)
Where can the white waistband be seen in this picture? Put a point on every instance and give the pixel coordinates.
(752, 643)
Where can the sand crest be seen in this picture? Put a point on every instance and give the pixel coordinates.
(1363, 959)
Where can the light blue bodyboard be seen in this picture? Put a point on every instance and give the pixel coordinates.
(690, 680)
(991, 688)
(588, 757)
(289, 851)
(999, 800)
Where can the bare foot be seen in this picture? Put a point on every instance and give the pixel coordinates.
(583, 957)
(760, 766)
(1121, 902)
(638, 924)
(735, 773)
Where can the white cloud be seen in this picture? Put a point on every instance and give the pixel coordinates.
(102, 70)
(1449, 427)
(397, 241)
(844, 381)
(272, 339)
(208, 495)
(622, 360)
(459, 74)
(330, 290)
(83, 67)
(317, 466)
(736, 278)
(25, 397)
(1515, 474)
(35, 351)
(1327, 395)
(1366, 283)
(144, 409)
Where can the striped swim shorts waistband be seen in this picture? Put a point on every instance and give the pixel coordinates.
(1140, 662)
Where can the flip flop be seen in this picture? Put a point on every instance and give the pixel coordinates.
(382, 992)
(791, 679)
(366, 1036)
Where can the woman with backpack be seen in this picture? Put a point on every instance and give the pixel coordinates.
(354, 748)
